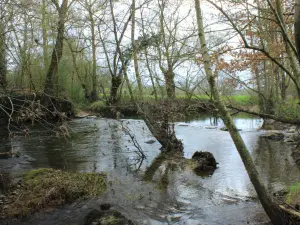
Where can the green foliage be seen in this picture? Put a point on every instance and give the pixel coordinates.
(98, 106)
(293, 195)
(49, 187)
(241, 100)
(289, 109)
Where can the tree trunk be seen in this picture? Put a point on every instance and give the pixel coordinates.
(83, 85)
(116, 81)
(170, 86)
(44, 31)
(260, 95)
(57, 50)
(297, 26)
(266, 201)
(134, 53)
(2, 58)
(151, 75)
(93, 95)
(289, 49)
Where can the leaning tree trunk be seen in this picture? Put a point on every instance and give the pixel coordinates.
(269, 206)
(2, 58)
(58, 49)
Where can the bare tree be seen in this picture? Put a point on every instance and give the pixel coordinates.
(58, 49)
(270, 207)
(297, 26)
(5, 16)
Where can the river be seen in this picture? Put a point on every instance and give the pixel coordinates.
(226, 197)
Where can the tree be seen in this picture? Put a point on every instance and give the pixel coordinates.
(2, 57)
(44, 32)
(115, 57)
(297, 27)
(93, 8)
(172, 47)
(5, 16)
(58, 49)
(134, 48)
(270, 207)
(262, 27)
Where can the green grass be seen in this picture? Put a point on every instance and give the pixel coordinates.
(241, 100)
(97, 106)
(293, 195)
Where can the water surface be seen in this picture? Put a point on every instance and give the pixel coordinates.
(226, 197)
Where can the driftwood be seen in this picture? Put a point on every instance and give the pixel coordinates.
(291, 216)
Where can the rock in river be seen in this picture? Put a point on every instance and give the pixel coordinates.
(226, 129)
(183, 124)
(296, 156)
(151, 141)
(211, 127)
(107, 217)
(206, 161)
(273, 135)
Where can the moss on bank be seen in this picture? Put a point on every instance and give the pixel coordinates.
(48, 187)
(293, 195)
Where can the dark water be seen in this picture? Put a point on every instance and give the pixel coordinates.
(227, 197)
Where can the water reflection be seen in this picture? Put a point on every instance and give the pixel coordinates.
(101, 145)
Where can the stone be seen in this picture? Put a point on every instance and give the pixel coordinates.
(270, 124)
(5, 155)
(273, 135)
(211, 127)
(292, 130)
(183, 124)
(151, 141)
(206, 161)
(226, 129)
(107, 217)
(92, 117)
(288, 140)
(105, 206)
(296, 156)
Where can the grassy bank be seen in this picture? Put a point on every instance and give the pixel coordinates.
(43, 188)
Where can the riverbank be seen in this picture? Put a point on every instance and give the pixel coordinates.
(45, 188)
(129, 109)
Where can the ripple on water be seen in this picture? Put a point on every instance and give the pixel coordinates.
(227, 197)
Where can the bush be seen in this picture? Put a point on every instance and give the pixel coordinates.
(98, 106)
(290, 109)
